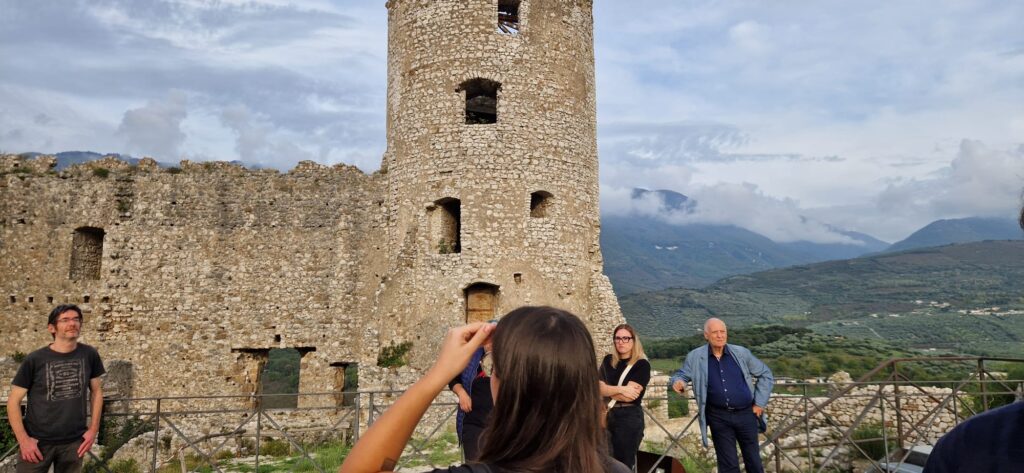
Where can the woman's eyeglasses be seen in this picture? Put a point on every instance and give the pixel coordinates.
(623, 339)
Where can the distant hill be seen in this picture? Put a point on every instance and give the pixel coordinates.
(644, 253)
(960, 230)
(915, 295)
(70, 158)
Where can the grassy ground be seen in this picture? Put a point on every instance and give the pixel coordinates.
(277, 456)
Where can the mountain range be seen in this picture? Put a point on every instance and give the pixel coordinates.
(970, 297)
(961, 230)
(646, 253)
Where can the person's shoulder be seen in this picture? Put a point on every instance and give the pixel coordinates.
(697, 351)
(643, 362)
(87, 350)
(1011, 414)
(37, 354)
(739, 349)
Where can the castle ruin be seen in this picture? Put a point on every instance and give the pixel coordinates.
(487, 199)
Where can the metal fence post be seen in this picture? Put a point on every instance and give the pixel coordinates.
(981, 383)
(369, 415)
(899, 409)
(358, 415)
(885, 432)
(956, 405)
(259, 426)
(156, 436)
(807, 430)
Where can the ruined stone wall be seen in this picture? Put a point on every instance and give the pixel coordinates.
(203, 269)
(544, 140)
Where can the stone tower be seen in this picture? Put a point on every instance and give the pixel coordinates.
(491, 162)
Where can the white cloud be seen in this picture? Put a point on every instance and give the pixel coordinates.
(977, 181)
(255, 142)
(155, 129)
(740, 205)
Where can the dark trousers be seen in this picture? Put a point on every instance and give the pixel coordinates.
(728, 428)
(63, 457)
(625, 430)
(471, 441)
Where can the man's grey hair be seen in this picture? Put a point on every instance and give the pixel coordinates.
(708, 322)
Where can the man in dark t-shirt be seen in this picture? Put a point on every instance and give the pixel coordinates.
(55, 378)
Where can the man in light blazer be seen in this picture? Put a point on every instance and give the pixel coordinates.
(732, 388)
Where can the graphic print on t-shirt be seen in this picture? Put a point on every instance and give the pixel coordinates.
(64, 380)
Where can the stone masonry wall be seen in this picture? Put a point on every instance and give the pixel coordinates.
(203, 268)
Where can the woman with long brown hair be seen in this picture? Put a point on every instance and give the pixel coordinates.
(624, 377)
(547, 407)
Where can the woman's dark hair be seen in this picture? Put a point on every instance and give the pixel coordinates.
(547, 415)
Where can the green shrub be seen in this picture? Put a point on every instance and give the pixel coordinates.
(18, 356)
(677, 405)
(275, 448)
(127, 465)
(174, 170)
(869, 438)
(394, 356)
(101, 173)
(7, 439)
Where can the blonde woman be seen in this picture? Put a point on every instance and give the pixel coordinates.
(624, 377)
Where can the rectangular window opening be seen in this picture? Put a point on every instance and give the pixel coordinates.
(508, 17)
(279, 381)
(346, 382)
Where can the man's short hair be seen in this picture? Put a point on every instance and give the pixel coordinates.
(52, 320)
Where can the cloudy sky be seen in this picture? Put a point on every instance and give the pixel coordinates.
(878, 115)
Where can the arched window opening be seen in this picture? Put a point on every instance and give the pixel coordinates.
(481, 302)
(481, 101)
(508, 17)
(86, 253)
(540, 204)
(446, 225)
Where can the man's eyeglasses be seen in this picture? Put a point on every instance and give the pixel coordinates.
(73, 319)
(623, 339)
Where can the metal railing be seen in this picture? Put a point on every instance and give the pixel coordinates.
(812, 427)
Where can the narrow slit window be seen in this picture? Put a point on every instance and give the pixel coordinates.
(86, 253)
(481, 101)
(446, 223)
(508, 17)
(540, 204)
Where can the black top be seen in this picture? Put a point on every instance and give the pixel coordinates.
(480, 394)
(613, 466)
(640, 373)
(57, 385)
(985, 442)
